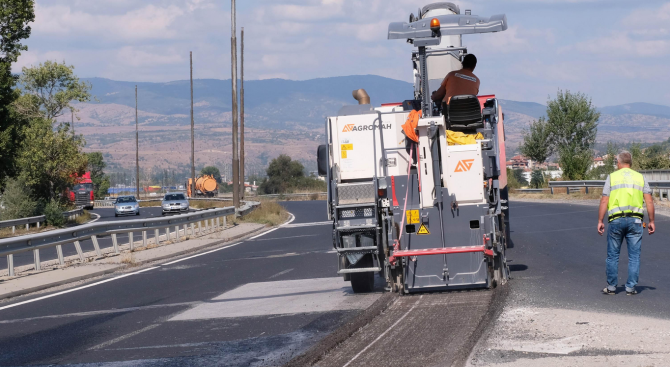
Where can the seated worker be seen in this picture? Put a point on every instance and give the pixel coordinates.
(459, 82)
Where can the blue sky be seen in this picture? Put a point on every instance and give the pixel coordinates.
(614, 51)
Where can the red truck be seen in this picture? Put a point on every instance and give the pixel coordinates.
(82, 194)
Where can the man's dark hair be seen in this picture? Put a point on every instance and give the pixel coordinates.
(469, 62)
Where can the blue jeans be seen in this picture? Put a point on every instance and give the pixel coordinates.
(631, 229)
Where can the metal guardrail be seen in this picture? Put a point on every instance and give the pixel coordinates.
(531, 190)
(660, 187)
(15, 245)
(36, 220)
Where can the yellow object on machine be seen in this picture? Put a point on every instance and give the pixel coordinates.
(459, 138)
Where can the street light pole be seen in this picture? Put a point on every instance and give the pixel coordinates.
(233, 55)
(192, 135)
(137, 149)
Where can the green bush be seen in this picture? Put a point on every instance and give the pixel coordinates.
(17, 201)
(53, 212)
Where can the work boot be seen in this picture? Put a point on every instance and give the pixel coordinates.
(631, 292)
(609, 291)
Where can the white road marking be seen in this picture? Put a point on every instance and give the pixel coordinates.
(289, 221)
(263, 234)
(284, 297)
(124, 337)
(311, 224)
(96, 219)
(204, 253)
(281, 238)
(282, 273)
(75, 289)
(384, 333)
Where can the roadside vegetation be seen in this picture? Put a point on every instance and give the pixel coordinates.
(286, 176)
(269, 213)
(39, 157)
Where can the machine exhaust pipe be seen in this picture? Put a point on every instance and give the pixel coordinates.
(361, 96)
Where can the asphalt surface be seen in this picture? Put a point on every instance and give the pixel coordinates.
(106, 214)
(221, 309)
(216, 309)
(559, 261)
(555, 313)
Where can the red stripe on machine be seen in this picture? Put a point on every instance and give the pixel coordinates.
(395, 199)
(440, 251)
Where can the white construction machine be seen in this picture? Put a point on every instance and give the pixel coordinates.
(426, 215)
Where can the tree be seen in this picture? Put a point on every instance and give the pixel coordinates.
(537, 179)
(537, 141)
(653, 157)
(573, 124)
(14, 18)
(96, 165)
(49, 90)
(50, 159)
(212, 171)
(519, 177)
(283, 174)
(17, 201)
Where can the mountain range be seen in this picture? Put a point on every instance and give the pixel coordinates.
(286, 116)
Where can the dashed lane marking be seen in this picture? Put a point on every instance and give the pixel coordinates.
(282, 273)
(124, 337)
(203, 253)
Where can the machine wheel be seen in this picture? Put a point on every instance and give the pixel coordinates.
(363, 282)
(491, 281)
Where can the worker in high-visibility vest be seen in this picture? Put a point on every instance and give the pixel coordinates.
(624, 197)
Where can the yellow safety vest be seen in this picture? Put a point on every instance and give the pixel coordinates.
(626, 194)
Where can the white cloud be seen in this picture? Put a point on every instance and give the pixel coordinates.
(150, 22)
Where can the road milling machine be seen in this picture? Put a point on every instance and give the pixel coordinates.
(418, 191)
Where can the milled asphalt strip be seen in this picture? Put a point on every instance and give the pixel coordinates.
(76, 289)
(203, 253)
(384, 333)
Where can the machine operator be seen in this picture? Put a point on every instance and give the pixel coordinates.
(459, 82)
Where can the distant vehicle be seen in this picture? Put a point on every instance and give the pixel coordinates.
(174, 202)
(204, 186)
(153, 194)
(82, 194)
(126, 205)
(108, 198)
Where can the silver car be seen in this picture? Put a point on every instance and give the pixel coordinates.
(174, 202)
(126, 205)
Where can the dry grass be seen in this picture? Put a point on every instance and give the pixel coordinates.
(269, 213)
(207, 204)
(145, 204)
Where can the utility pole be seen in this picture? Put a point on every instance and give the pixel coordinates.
(242, 115)
(233, 56)
(192, 135)
(137, 149)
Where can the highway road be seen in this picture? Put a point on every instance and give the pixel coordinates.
(262, 301)
(105, 214)
(265, 300)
